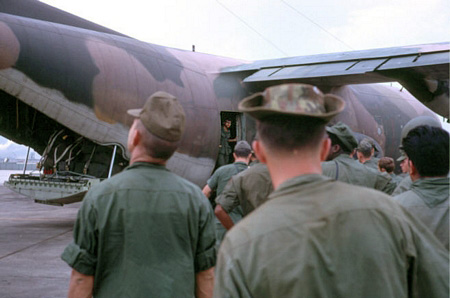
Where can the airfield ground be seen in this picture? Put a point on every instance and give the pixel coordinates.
(32, 238)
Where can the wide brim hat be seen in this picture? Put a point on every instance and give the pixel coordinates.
(298, 100)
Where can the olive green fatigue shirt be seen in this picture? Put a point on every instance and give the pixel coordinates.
(316, 237)
(223, 174)
(396, 179)
(145, 232)
(428, 200)
(345, 169)
(224, 147)
(372, 163)
(403, 186)
(392, 184)
(248, 189)
(218, 181)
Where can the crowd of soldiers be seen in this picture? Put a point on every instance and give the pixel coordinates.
(306, 211)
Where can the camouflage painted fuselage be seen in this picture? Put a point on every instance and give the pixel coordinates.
(57, 77)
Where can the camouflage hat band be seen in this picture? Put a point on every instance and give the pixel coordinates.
(292, 100)
(162, 115)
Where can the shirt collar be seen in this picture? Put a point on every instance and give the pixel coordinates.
(299, 181)
(433, 191)
(141, 164)
(344, 156)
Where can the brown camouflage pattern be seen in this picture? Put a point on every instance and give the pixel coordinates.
(295, 98)
(55, 77)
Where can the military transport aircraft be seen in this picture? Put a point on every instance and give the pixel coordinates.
(66, 83)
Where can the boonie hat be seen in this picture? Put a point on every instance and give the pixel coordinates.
(344, 134)
(162, 115)
(292, 100)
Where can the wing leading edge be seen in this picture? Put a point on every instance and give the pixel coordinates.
(422, 69)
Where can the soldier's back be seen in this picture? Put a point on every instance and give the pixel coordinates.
(319, 238)
(345, 169)
(403, 185)
(372, 163)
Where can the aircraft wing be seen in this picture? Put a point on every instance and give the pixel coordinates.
(422, 69)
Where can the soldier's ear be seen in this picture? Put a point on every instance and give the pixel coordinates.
(259, 151)
(136, 137)
(335, 148)
(359, 156)
(131, 142)
(325, 149)
(413, 171)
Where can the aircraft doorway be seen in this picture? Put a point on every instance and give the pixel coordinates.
(229, 136)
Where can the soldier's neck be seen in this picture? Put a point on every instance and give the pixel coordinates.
(242, 159)
(140, 155)
(288, 167)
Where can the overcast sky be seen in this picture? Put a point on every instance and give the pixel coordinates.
(265, 29)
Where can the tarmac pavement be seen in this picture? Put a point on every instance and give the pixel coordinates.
(32, 238)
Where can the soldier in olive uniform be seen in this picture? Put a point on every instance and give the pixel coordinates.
(317, 237)
(224, 147)
(217, 182)
(428, 152)
(248, 189)
(342, 167)
(365, 153)
(386, 165)
(145, 232)
(406, 183)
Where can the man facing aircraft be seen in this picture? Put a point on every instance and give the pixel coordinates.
(427, 148)
(316, 237)
(341, 166)
(145, 232)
